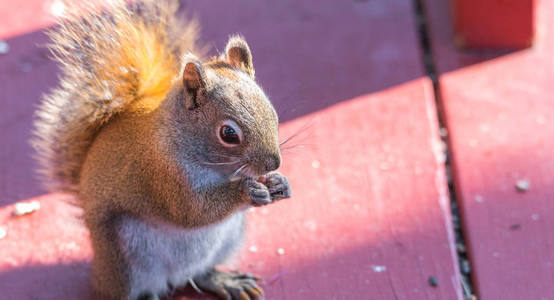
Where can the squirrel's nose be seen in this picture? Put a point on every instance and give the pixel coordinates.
(273, 162)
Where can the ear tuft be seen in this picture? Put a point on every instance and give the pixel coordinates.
(238, 54)
(194, 80)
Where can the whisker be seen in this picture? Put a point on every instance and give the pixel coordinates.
(227, 160)
(224, 156)
(288, 139)
(220, 163)
(295, 146)
(248, 171)
(302, 129)
(237, 171)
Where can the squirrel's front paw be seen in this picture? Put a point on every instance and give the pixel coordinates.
(278, 186)
(258, 193)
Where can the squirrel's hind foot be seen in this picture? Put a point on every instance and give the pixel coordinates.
(230, 286)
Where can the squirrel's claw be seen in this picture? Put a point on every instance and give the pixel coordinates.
(258, 193)
(273, 187)
(230, 286)
(278, 186)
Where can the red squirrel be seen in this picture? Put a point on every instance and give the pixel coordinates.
(163, 151)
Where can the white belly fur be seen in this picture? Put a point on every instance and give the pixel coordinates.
(159, 253)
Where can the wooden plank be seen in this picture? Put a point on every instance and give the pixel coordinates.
(499, 117)
(369, 217)
(25, 73)
(46, 254)
(370, 213)
(493, 24)
(21, 18)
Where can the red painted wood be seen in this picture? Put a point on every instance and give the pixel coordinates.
(25, 73)
(499, 115)
(494, 24)
(369, 195)
(46, 254)
(369, 217)
(19, 17)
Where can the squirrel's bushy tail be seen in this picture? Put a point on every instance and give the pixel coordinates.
(110, 58)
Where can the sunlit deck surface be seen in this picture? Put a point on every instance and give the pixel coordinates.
(370, 214)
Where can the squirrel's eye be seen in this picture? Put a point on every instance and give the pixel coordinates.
(229, 133)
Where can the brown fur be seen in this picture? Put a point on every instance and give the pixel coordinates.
(132, 129)
(112, 59)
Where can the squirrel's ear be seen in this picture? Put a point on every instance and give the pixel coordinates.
(194, 80)
(238, 54)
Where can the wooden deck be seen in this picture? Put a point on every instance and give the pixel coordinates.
(370, 215)
(500, 113)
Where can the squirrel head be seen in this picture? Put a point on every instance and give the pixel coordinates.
(224, 119)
